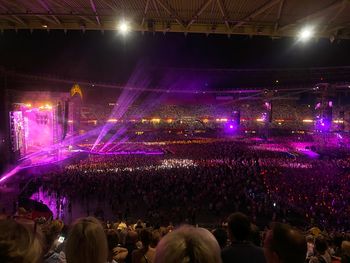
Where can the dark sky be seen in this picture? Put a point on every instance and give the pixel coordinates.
(111, 58)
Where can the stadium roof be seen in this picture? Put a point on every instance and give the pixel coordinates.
(273, 18)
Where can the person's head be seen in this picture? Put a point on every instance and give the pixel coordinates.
(321, 245)
(284, 244)
(188, 244)
(131, 238)
(310, 239)
(238, 227)
(86, 242)
(145, 237)
(112, 239)
(156, 236)
(18, 243)
(221, 236)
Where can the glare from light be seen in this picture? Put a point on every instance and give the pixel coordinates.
(308, 121)
(123, 27)
(306, 33)
(155, 120)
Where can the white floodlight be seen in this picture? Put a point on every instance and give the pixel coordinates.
(124, 27)
(306, 33)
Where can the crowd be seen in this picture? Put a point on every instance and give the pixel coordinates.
(193, 184)
(202, 182)
(89, 240)
(289, 111)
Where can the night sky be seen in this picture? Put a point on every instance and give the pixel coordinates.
(112, 58)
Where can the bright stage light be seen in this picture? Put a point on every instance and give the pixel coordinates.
(308, 121)
(124, 27)
(155, 120)
(306, 33)
(222, 120)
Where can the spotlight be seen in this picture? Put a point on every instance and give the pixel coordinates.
(306, 33)
(124, 27)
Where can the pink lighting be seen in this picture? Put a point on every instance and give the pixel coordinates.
(9, 174)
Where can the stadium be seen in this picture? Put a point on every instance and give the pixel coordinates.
(174, 131)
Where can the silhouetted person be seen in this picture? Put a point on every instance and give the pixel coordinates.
(284, 244)
(241, 250)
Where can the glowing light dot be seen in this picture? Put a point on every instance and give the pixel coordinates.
(306, 33)
(124, 28)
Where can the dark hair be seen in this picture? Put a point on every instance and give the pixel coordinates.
(239, 226)
(221, 236)
(288, 243)
(145, 237)
(321, 244)
(112, 239)
(156, 236)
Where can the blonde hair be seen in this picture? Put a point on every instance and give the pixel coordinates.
(188, 244)
(87, 242)
(18, 243)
